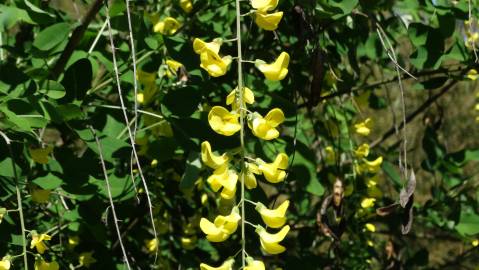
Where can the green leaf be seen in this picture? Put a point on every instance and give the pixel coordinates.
(52, 89)
(468, 224)
(49, 181)
(192, 171)
(77, 80)
(51, 36)
(9, 16)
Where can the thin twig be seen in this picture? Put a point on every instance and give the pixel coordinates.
(112, 205)
(93, 45)
(133, 57)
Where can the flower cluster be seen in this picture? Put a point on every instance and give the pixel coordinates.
(236, 166)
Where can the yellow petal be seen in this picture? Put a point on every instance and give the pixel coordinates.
(250, 180)
(210, 159)
(264, 5)
(370, 227)
(273, 218)
(364, 128)
(274, 117)
(168, 26)
(362, 151)
(472, 74)
(151, 245)
(223, 122)
(173, 67)
(233, 97)
(213, 233)
(374, 165)
(229, 223)
(268, 21)
(186, 5)
(40, 155)
(274, 172)
(367, 202)
(199, 46)
(269, 242)
(227, 265)
(5, 263)
(37, 242)
(275, 71)
(254, 264)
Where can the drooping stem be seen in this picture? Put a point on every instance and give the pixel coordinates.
(242, 120)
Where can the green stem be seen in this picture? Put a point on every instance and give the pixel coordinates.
(242, 120)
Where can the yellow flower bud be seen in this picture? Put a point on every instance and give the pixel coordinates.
(364, 128)
(273, 218)
(73, 241)
(265, 128)
(151, 245)
(37, 241)
(268, 21)
(186, 5)
(472, 74)
(223, 122)
(275, 71)
(374, 165)
(270, 242)
(210, 159)
(43, 265)
(275, 172)
(367, 202)
(264, 5)
(254, 264)
(204, 198)
(227, 265)
(370, 227)
(168, 26)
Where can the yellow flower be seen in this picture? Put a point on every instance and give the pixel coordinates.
(227, 265)
(186, 5)
(86, 259)
(154, 163)
(211, 160)
(37, 241)
(40, 155)
(475, 242)
(372, 166)
(226, 178)
(265, 128)
(362, 151)
(5, 263)
(40, 195)
(274, 172)
(330, 155)
(168, 26)
(371, 244)
(204, 198)
(472, 74)
(173, 67)
(222, 227)
(151, 245)
(250, 178)
(264, 5)
(43, 265)
(275, 71)
(146, 79)
(254, 264)
(223, 122)
(209, 57)
(270, 242)
(273, 218)
(73, 241)
(3, 211)
(370, 227)
(233, 97)
(364, 128)
(367, 202)
(268, 21)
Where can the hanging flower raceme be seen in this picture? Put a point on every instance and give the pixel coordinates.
(209, 56)
(233, 98)
(268, 21)
(274, 218)
(44, 265)
(210, 159)
(186, 5)
(364, 128)
(5, 263)
(274, 172)
(224, 178)
(227, 265)
(223, 122)
(37, 241)
(265, 128)
(270, 242)
(264, 5)
(222, 227)
(167, 26)
(277, 70)
(254, 264)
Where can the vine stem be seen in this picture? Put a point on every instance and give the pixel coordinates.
(19, 201)
(242, 117)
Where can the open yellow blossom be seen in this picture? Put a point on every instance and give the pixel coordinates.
(3, 211)
(210, 159)
(173, 67)
(222, 227)
(227, 265)
(277, 70)
(364, 128)
(5, 263)
(168, 26)
(37, 241)
(209, 57)
(273, 218)
(370, 227)
(264, 5)
(186, 5)
(268, 21)
(274, 172)
(367, 202)
(472, 74)
(226, 178)
(86, 259)
(40, 195)
(223, 122)
(270, 242)
(254, 264)
(265, 128)
(151, 245)
(362, 151)
(44, 265)
(233, 97)
(373, 166)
